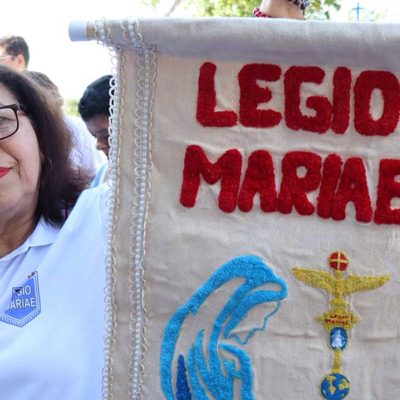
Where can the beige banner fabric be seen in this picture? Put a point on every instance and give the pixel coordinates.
(256, 231)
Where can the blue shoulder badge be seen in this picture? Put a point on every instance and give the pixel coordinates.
(24, 305)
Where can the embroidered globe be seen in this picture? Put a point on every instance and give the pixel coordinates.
(335, 387)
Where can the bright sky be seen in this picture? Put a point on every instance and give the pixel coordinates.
(73, 65)
(44, 25)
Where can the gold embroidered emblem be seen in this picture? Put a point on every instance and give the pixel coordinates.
(339, 319)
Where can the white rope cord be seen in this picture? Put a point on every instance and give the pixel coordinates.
(102, 33)
(142, 162)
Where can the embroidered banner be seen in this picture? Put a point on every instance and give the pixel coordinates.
(255, 248)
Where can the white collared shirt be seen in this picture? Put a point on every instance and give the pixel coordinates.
(52, 309)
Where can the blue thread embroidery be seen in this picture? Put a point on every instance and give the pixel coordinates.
(338, 337)
(335, 387)
(209, 372)
(182, 384)
(25, 303)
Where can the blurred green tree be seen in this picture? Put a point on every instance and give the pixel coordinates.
(71, 107)
(319, 9)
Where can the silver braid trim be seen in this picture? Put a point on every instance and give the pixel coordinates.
(103, 35)
(146, 74)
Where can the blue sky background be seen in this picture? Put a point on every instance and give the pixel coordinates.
(73, 65)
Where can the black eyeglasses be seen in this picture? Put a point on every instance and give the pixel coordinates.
(9, 122)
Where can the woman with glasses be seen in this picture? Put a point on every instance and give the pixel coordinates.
(51, 269)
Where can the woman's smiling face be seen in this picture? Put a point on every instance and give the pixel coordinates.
(20, 163)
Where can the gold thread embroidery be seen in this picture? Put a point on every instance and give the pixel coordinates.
(339, 319)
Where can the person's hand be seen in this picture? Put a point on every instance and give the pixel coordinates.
(281, 9)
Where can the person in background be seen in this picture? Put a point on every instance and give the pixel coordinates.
(14, 52)
(83, 153)
(292, 9)
(94, 108)
(51, 307)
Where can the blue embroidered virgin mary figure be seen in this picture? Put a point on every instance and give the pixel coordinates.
(206, 375)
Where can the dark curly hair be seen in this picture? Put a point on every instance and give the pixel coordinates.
(96, 99)
(60, 184)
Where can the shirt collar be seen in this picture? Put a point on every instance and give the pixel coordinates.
(44, 234)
